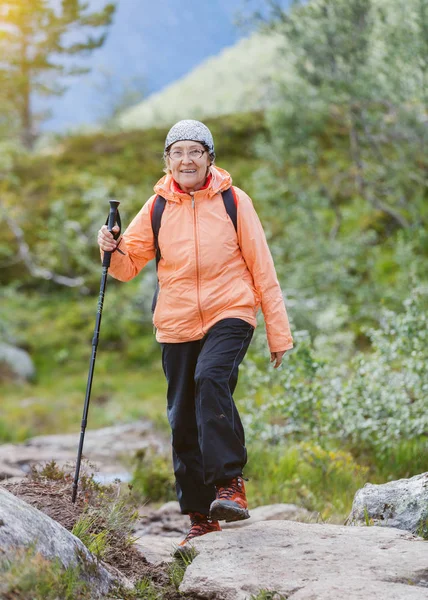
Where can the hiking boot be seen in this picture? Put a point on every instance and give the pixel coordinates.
(199, 525)
(231, 502)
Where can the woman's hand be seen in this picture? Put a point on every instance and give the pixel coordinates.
(277, 357)
(106, 240)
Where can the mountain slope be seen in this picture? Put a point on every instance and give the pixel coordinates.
(239, 79)
(152, 43)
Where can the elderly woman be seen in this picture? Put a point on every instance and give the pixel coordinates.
(215, 271)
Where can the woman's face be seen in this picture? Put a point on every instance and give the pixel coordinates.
(187, 168)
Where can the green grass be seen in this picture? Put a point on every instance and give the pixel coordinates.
(268, 595)
(304, 474)
(27, 575)
(125, 388)
(153, 478)
(56, 405)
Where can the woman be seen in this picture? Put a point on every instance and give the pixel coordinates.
(213, 279)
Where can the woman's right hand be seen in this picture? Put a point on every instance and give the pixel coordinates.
(106, 241)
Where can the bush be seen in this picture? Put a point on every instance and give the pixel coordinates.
(373, 403)
(320, 480)
(153, 478)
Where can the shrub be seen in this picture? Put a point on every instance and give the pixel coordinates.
(153, 478)
(320, 480)
(372, 403)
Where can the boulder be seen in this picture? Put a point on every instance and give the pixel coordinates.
(167, 521)
(162, 529)
(156, 549)
(308, 561)
(15, 363)
(402, 504)
(22, 526)
(274, 512)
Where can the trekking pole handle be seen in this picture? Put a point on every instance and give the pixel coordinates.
(114, 205)
(111, 220)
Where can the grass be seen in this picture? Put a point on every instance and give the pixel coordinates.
(268, 595)
(153, 478)
(307, 475)
(123, 389)
(27, 575)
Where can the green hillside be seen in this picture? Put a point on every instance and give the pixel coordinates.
(239, 79)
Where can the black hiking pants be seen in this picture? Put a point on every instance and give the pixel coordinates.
(208, 442)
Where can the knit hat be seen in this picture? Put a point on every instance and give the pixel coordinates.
(194, 131)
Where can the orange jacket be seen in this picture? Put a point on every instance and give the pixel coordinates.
(207, 272)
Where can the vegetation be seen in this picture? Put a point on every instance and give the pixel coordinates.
(338, 173)
(247, 72)
(26, 575)
(103, 519)
(31, 38)
(153, 478)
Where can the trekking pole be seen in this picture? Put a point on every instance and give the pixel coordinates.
(111, 220)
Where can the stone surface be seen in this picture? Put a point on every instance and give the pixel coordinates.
(157, 549)
(15, 363)
(161, 529)
(402, 504)
(274, 512)
(168, 520)
(306, 561)
(22, 525)
(109, 449)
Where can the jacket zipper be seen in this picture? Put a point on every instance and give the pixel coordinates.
(197, 263)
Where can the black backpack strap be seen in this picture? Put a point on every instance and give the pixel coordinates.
(156, 216)
(230, 204)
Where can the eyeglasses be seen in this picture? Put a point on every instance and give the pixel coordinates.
(179, 154)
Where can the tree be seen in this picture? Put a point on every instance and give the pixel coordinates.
(362, 68)
(33, 38)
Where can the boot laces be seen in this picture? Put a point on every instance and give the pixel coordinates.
(199, 525)
(229, 489)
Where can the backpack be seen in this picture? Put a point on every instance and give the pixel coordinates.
(230, 204)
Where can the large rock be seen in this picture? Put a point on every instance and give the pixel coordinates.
(169, 522)
(161, 529)
(309, 562)
(402, 504)
(15, 363)
(109, 449)
(22, 526)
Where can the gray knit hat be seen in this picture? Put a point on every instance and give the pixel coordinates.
(194, 131)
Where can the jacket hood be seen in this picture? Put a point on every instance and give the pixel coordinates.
(221, 180)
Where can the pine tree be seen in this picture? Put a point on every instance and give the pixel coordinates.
(32, 42)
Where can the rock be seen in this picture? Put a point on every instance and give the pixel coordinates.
(164, 527)
(274, 512)
(166, 521)
(15, 363)
(23, 525)
(156, 549)
(108, 449)
(308, 562)
(402, 504)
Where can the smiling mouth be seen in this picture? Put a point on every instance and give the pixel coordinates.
(189, 172)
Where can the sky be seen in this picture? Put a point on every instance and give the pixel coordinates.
(150, 44)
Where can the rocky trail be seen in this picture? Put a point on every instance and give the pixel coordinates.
(110, 450)
(281, 549)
